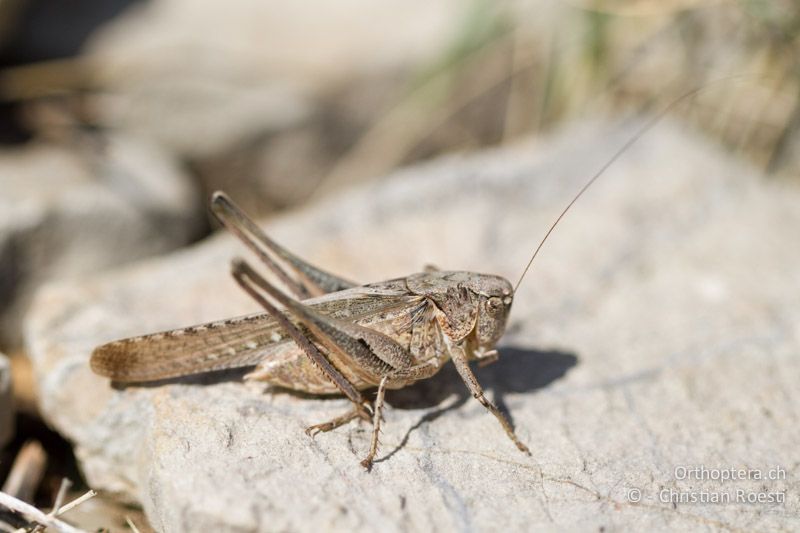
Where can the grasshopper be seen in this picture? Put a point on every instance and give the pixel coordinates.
(333, 336)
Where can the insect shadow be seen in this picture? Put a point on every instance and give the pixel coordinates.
(205, 378)
(518, 370)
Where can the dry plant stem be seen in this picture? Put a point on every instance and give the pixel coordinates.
(35, 515)
(59, 501)
(131, 524)
(26, 472)
(76, 502)
(62, 492)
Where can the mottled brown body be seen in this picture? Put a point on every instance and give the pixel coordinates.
(332, 336)
(335, 336)
(256, 340)
(387, 307)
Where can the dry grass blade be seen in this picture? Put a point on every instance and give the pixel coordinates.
(59, 501)
(76, 502)
(35, 515)
(131, 525)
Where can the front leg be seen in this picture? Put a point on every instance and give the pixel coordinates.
(462, 365)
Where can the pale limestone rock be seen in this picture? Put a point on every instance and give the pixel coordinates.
(267, 99)
(236, 70)
(72, 211)
(658, 329)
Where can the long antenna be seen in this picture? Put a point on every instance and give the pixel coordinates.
(644, 129)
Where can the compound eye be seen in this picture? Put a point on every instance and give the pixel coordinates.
(494, 304)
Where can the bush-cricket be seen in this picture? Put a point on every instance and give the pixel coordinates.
(333, 336)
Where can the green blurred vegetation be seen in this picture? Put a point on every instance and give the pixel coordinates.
(528, 67)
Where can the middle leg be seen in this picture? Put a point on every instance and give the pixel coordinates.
(340, 420)
(376, 424)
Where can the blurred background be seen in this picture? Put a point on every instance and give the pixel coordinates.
(119, 117)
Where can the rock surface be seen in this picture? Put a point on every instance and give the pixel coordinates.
(71, 210)
(6, 402)
(658, 331)
(280, 90)
(245, 68)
